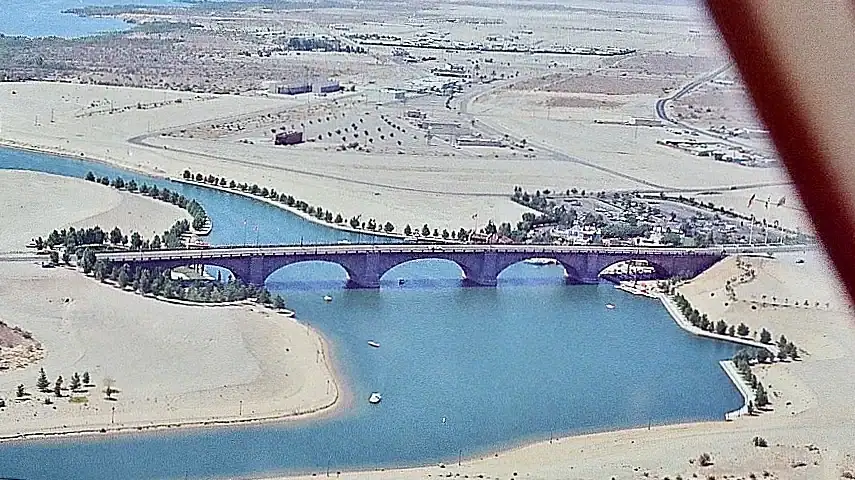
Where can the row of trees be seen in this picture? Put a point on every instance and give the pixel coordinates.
(743, 365)
(161, 283)
(193, 207)
(318, 212)
(44, 385)
(786, 349)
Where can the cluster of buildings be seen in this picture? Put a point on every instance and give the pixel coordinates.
(297, 88)
(437, 41)
(720, 152)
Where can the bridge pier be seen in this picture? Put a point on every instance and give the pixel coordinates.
(365, 273)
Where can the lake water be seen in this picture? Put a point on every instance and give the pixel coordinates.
(42, 18)
(527, 360)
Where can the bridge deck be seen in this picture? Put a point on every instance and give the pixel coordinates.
(546, 250)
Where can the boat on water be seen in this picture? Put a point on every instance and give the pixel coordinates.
(375, 398)
(610, 306)
(373, 344)
(401, 281)
(541, 262)
(327, 298)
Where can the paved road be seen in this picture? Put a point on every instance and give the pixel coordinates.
(662, 111)
(231, 252)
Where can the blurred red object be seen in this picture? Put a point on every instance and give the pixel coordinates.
(798, 61)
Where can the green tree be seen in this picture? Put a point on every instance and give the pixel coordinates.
(750, 407)
(86, 378)
(388, 227)
(75, 382)
(123, 278)
(408, 230)
(136, 241)
(731, 331)
(57, 387)
(155, 243)
(187, 175)
(742, 330)
(90, 176)
(782, 343)
(425, 231)
(445, 234)
(145, 282)
(720, 327)
(279, 302)
(338, 218)
(20, 391)
(765, 336)
(54, 257)
(42, 383)
(763, 355)
(66, 257)
(263, 296)
(116, 236)
(792, 351)
(761, 399)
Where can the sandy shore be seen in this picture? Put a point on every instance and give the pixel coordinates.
(810, 429)
(159, 355)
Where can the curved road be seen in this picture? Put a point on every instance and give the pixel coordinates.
(662, 112)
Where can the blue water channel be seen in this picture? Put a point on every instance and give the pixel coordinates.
(44, 18)
(530, 359)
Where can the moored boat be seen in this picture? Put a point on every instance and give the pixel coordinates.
(375, 398)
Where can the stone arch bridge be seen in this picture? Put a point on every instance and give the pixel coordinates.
(366, 264)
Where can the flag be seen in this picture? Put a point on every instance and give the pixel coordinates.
(750, 200)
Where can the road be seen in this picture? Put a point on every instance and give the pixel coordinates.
(662, 111)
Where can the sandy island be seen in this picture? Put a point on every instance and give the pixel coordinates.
(172, 365)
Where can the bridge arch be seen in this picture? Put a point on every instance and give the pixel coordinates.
(571, 273)
(293, 272)
(447, 267)
(469, 266)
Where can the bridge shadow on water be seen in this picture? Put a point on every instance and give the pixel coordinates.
(408, 284)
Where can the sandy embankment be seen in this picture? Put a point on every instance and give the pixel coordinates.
(172, 364)
(810, 399)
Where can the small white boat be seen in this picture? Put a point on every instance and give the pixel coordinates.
(327, 298)
(610, 306)
(375, 398)
(541, 262)
(373, 344)
(344, 242)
